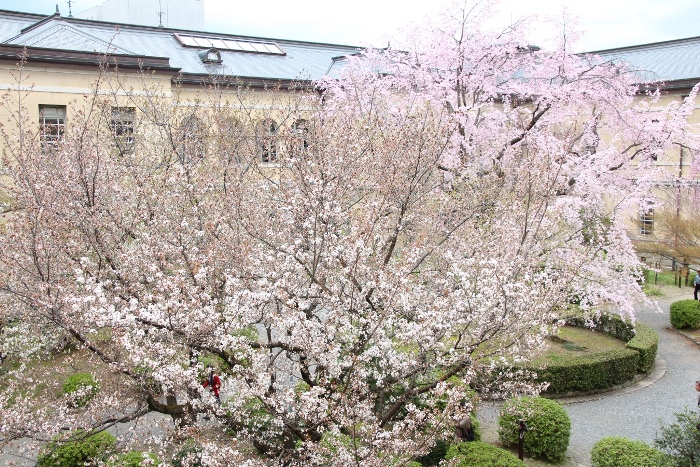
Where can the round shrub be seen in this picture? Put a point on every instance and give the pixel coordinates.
(478, 454)
(614, 451)
(549, 426)
(439, 448)
(82, 386)
(685, 314)
(76, 450)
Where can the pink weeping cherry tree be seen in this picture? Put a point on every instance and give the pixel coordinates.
(358, 261)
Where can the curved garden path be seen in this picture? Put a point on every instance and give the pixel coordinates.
(637, 411)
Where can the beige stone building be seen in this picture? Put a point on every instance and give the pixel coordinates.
(658, 230)
(63, 57)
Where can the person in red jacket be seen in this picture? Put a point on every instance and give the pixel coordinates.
(214, 384)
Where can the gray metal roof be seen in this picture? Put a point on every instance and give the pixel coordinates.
(661, 61)
(676, 60)
(302, 60)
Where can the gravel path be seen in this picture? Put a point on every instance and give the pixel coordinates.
(635, 412)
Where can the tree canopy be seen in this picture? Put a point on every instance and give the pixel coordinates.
(356, 278)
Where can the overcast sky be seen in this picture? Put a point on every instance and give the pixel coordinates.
(607, 23)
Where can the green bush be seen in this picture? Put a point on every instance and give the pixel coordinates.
(614, 451)
(83, 386)
(439, 449)
(608, 323)
(604, 369)
(436, 454)
(646, 343)
(478, 454)
(549, 426)
(589, 372)
(76, 450)
(680, 441)
(134, 459)
(685, 314)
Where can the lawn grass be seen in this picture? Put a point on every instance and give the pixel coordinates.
(573, 340)
(666, 278)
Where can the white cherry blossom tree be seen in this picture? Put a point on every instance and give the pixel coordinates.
(426, 216)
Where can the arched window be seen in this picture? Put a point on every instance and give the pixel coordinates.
(191, 144)
(268, 141)
(300, 135)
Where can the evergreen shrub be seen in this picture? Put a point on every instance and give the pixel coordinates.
(549, 426)
(614, 451)
(605, 369)
(680, 441)
(478, 454)
(440, 447)
(685, 314)
(589, 372)
(134, 459)
(646, 343)
(76, 450)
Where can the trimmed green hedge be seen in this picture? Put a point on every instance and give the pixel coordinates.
(549, 426)
(590, 372)
(685, 314)
(646, 342)
(607, 323)
(605, 369)
(478, 454)
(614, 451)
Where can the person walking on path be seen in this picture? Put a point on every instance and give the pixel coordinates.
(696, 283)
(214, 384)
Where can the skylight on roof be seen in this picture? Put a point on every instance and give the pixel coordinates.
(228, 44)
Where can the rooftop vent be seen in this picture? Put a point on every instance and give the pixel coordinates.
(210, 56)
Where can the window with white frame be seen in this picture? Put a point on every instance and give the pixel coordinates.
(646, 221)
(268, 140)
(122, 125)
(52, 123)
(300, 135)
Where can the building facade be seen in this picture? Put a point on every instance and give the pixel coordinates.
(62, 56)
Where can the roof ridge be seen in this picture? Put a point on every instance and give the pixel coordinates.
(30, 27)
(193, 31)
(50, 30)
(645, 46)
